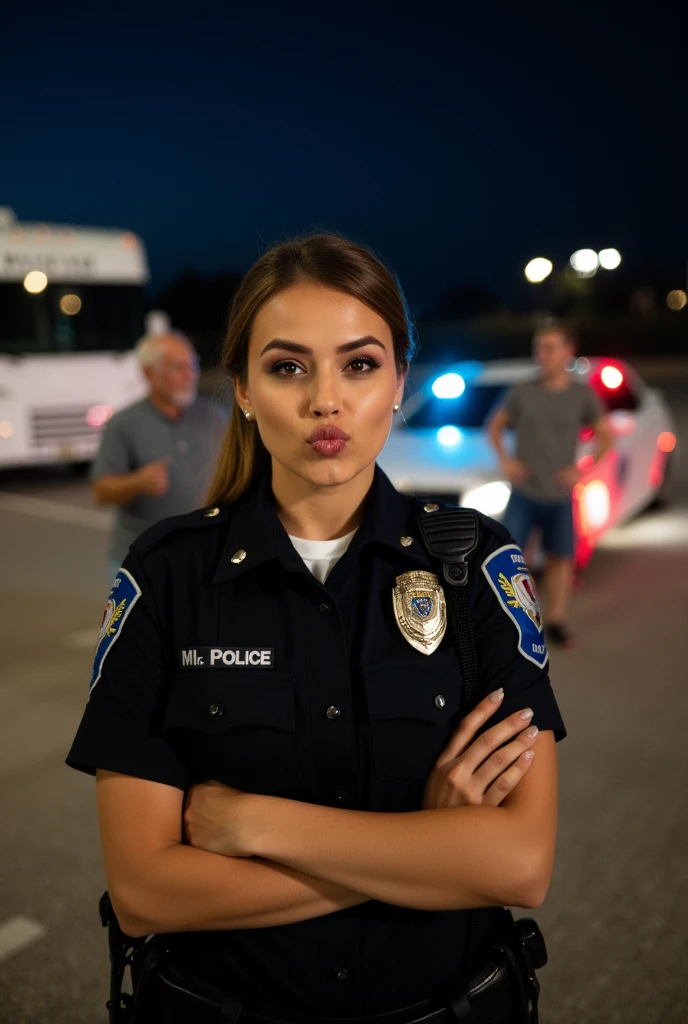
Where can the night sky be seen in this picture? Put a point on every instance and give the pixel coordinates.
(458, 140)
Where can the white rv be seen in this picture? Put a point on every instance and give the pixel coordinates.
(71, 307)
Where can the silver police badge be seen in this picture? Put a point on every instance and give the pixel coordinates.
(420, 610)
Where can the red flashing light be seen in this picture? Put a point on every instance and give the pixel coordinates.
(585, 463)
(666, 442)
(98, 415)
(586, 433)
(611, 377)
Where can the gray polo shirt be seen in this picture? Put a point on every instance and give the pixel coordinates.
(140, 434)
(546, 424)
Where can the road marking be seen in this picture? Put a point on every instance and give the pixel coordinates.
(16, 933)
(57, 511)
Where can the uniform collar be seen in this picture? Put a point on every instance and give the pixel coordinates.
(256, 535)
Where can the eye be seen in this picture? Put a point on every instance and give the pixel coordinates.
(363, 364)
(287, 368)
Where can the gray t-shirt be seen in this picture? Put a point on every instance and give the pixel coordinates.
(140, 434)
(547, 424)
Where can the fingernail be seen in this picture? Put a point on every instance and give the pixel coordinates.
(525, 715)
(532, 732)
(497, 695)
(529, 755)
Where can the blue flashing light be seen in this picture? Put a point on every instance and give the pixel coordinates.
(449, 385)
(449, 436)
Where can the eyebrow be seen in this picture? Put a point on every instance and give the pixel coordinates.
(293, 346)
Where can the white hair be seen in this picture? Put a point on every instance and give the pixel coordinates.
(149, 349)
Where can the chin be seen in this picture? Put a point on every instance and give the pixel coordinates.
(332, 472)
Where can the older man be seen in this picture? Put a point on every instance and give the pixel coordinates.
(156, 456)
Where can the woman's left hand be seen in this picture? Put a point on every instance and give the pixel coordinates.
(215, 819)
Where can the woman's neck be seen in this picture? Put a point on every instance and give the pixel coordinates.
(315, 512)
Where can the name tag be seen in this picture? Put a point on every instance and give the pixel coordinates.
(227, 657)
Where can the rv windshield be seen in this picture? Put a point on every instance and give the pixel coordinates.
(70, 318)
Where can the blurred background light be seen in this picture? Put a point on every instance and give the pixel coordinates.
(449, 436)
(538, 269)
(596, 505)
(490, 499)
(70, 304)
(609, 258)
(666, 442)
(6, 429)
(35, 282)
(98, 415)
(677, 299)
(585, 262)
(611, 377)
(449, 385)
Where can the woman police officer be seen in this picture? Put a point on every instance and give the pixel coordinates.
(282, 658)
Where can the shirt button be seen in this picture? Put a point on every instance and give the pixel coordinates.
(339, 796)
(440, 701)
(333, 712)
(340, 974)
(216, 709)
(325, 608)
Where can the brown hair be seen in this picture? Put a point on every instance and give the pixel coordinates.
(553, 325)
(327, 259)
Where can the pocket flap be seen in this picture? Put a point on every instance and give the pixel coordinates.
(429, 693)
(213, 701)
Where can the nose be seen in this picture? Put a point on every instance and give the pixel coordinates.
(325, 395)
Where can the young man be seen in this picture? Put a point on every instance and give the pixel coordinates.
(546, 415)
(157, 456)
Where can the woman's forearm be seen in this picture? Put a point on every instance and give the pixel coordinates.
(183, 889)
(445, 859)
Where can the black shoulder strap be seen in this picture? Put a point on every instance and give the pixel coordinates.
(450, 536)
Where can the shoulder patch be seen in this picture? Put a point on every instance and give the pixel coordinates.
(123, 596)
(508, 575)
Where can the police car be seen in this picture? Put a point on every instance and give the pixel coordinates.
(440, 446)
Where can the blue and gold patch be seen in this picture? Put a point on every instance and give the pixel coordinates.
(508, 575)
(123, 596)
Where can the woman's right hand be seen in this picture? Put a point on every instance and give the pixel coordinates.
(483, 770)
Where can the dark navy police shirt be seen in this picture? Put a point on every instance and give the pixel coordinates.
(336, 709)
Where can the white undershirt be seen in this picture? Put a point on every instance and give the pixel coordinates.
(321, 556)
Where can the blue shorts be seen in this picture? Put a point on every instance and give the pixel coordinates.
(554, 519)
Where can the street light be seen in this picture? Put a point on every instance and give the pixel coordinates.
(538, 269)
(609, 258)
(585, 262)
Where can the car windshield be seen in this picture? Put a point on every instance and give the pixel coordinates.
(470, 409)
(70, 318)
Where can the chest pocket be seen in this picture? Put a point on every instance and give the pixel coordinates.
(237, 727)
(412, 710)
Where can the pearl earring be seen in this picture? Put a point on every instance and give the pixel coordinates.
(247, 414)
(396, 408)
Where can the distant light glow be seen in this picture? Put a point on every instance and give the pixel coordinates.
(6, 429)
(622, 422)
(129, 240)
(98, 415)
(677, 299)
(70, 304)
(449, 436)
(35, 282)
(582, 365)
(585, 262)
(538, 269)
(585, 463)
(609, 259)
(586, 433)
(611, 377)
(666, 442)
(449, 385)
(490, 499)
(595, 504)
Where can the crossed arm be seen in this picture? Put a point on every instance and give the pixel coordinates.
(485, 838)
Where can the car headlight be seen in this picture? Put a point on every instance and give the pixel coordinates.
(490, 499)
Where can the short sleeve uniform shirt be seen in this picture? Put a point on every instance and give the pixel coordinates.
(222, 657)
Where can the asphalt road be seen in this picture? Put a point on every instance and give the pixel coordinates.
(615, 917)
